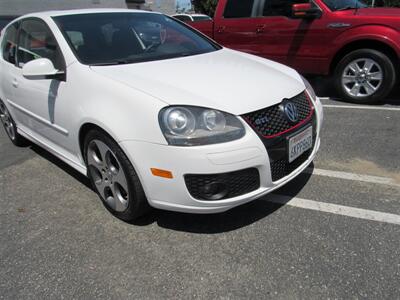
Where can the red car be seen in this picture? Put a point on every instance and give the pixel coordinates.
(358, 45)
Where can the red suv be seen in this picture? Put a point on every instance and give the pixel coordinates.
(358, 45)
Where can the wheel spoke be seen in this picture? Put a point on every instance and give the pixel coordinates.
(121, 180)
(92, 161)
(101, 187)
(355, 90)
(370, 89)
(368, 65)
(111, 201)
(355, 68)
(96, 154)
(349, 79)
(376, 76)
(120, 203)
(103, 149)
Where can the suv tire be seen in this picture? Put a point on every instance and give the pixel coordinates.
(364, 76)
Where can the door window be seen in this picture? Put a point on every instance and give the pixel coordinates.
(239, 9)
(280, 7)
(36, 41)
(9, 44)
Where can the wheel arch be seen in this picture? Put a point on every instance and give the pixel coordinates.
(84, 130)
(365, 44)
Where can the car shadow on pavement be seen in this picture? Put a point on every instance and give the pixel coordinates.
(233, 219)
(62, 165)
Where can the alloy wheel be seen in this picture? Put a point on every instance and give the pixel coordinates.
(7, 121)
(108, 176)
(362, 77)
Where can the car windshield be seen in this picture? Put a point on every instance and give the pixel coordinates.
(335, 5)
(122, 38)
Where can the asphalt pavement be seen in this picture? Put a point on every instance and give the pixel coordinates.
(332, 233)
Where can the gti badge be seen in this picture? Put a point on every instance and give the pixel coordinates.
(291, 112)
(261, 121)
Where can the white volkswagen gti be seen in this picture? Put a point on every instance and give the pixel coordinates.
(153, 112)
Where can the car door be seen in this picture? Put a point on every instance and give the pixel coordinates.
(299, 43)
(35, 102)
(237, 27)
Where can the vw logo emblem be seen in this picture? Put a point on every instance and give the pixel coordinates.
(291, 112)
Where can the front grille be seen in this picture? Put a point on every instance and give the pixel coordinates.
(275, 122)
(230, 185)
(282, 168)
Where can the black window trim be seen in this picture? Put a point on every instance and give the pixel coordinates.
(64, 65)
(252, 16)
(259, 11)
(18, 22)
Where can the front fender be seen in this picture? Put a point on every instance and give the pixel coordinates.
(380, 33)
(124, 113)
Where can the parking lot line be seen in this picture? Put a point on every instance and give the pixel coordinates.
(353, 176)
(362, 107)
(347, 211)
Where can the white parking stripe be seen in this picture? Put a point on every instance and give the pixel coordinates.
(347, 211)
(352, 176)
(362, 107)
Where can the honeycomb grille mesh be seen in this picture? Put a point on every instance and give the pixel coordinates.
(282, 168)
(275, 120)
(237, 183)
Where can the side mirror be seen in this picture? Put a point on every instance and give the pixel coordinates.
(305, 11)
(42, 68)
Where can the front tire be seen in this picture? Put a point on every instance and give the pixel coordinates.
(113, 177)
(365, 76)
(10, 127)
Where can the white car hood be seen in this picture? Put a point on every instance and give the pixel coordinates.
(226, 80)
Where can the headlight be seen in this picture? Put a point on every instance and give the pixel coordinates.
(314, 99)
(195, 126)
(309, 89)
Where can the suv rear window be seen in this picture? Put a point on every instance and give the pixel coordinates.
(239, 9)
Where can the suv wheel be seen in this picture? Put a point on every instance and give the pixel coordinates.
(365, 76)
(113, 177)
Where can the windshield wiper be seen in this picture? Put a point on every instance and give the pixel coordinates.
(112, 63)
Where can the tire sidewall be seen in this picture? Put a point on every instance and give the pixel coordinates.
(389, 75)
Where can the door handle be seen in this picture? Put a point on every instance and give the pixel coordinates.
(221, 29)
(15, 83)
(260, 29)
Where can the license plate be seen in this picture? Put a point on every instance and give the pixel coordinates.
(300, 143)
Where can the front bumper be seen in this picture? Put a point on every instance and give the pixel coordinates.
(173, 194)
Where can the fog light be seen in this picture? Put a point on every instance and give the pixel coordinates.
(214, 190)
